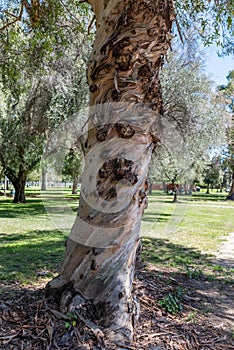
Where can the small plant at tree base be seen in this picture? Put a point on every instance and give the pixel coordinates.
(218, 268)
(72, 320)
(171, 303)
(193, 273)
(191, 316)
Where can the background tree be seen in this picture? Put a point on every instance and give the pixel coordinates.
(211, 175)
(193, 124)
(72, 167)
(228, 92)
(40, 89)
(21, 143)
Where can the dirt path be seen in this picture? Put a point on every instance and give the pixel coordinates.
(225, 254)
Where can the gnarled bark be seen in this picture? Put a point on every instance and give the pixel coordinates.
(123, 75)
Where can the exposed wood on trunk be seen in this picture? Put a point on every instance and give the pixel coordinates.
(123, 75)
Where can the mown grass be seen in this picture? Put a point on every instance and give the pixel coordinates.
(198, 221)
(32, 240)
(32, 235)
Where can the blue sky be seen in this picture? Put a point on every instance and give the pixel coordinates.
(218, 66)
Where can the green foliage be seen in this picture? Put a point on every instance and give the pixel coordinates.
(42, 77)
(193, 272)
(72, 164)
(72, 320)
(212, 173)
(171, 302)
(194, 121)
(227, 91)
(213, 20)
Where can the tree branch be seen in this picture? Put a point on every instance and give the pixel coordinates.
(17, 18)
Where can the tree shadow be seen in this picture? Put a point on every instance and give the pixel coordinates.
(156, 217)
(211, 197)
(157, 250)
(24, 257)
(34, 206)
(205, 305)
(162, 251)
(206, 284)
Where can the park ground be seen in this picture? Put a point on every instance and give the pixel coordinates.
(184, 277)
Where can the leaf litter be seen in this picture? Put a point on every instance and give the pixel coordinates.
(204, 320)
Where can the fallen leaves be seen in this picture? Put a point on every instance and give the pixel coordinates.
(28, 321)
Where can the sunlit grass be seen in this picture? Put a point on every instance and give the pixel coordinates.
(198, 221)
(32, 235)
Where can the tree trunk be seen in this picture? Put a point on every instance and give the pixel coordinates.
(231, 192)
(19, 186)
(132, 38)
(175, 190)
(43, 179)
(18, 180)
(175, 199)
(5, 185)
(75, 185)
(208, 188)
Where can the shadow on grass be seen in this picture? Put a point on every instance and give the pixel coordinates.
(33, 206)
(156, 217)
(213, 197)
(24, 257)
(162, 251)
(209, 285)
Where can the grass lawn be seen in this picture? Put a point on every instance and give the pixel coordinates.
(32, 240)
(197, 221)
(32, 235)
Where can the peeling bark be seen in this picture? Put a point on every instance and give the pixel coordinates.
(123, 74)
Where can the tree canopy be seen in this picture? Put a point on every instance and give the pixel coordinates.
(42, 80)
(194, 121)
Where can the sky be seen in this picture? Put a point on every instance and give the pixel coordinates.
(219, 67)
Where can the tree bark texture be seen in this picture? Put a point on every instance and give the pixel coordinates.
(19, 186)
(18, 180)
(123, 75)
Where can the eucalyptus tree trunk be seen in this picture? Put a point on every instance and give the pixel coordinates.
(123, 75)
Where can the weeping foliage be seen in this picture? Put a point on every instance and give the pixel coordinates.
(42, 77)
(194, 121)
(212, 19)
